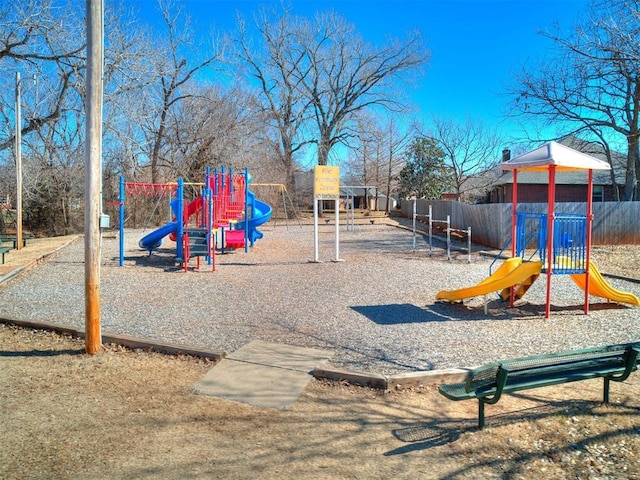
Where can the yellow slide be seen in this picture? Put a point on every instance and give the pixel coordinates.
(599, 287)
(512, 273)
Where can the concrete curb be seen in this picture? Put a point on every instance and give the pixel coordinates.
(23, 268)
(397, 382)
(372, 380)
(122, 340)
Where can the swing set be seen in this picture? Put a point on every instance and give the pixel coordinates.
(280, 190)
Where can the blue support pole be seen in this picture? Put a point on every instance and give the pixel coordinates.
(246, 209)
(208, 216)
(223, 185)
(121, 219)
(179, 219)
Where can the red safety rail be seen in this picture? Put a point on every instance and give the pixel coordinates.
(185, 252)
(229, 199)
(238, 197)
(149, 189)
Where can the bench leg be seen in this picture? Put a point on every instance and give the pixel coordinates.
(605, 395)
(480, 415)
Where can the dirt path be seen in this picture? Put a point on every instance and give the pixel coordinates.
(130, 414)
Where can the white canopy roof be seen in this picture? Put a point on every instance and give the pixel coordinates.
(553, 153)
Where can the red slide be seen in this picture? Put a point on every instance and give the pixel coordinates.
(190, 209)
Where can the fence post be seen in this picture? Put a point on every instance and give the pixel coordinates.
(430, 230)
(414, 224)
(448, 237)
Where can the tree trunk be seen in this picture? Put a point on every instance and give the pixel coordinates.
(155, 154)
(632, 163)
(323, 149)
(636, 152)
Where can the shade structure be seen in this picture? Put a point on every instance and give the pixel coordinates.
(554, 157)
(563, 158)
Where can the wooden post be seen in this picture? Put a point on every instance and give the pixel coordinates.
(93, 174)
(18, 164)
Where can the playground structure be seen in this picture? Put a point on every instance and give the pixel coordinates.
(562, 242)
(226, 211)
(447, 222)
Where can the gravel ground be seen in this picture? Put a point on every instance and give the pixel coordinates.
(375, 309)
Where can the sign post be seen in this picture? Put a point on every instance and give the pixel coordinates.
(326, 186)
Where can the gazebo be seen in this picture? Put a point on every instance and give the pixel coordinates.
(553, 157)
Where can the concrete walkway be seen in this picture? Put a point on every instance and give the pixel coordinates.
(263, 374)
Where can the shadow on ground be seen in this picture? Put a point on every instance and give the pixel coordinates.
(41, 353)
(438, 432)
(404, 313)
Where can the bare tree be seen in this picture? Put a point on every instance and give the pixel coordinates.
(471, 149)
(214, 127)
(37, 39)
(341, 74)
(593, 83)
(272, 65)
(176, 64)
(44, 41)
(378, 152)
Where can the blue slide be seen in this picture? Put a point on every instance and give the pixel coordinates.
(261, 213)
(153, 240)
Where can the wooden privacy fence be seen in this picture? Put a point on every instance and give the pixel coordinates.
(614, 223)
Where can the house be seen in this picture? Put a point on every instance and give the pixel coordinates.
(570, 186)
(357, 197)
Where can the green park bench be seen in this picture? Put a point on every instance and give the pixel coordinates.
(12, 238)
(489, 382)
(4, 250)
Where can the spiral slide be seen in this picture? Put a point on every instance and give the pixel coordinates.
(512, 273)
(261, 213)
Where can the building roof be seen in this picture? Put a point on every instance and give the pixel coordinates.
(346, 190)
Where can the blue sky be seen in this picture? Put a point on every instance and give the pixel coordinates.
(475, 44)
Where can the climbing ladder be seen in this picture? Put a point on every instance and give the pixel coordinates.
(195, 245)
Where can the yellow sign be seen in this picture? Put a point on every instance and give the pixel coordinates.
(326, 182)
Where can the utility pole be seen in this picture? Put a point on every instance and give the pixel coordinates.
(18, 163)
(93, 175)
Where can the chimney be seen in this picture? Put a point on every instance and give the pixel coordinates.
(506, 155)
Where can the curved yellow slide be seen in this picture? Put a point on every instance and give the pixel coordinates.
(599, 287)
(513, 272)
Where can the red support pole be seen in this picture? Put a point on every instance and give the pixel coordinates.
(514, 211)
(587, 267)
(514, 223)
(550, 225)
